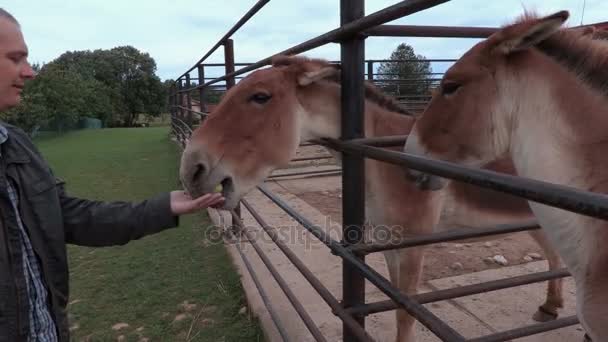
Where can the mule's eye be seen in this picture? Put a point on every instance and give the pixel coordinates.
(260, 98)
(449, 88)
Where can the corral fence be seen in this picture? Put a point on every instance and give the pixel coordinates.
(352, 308)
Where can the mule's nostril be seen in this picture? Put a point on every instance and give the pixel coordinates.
(198, 172)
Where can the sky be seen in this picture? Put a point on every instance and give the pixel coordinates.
(179, 33)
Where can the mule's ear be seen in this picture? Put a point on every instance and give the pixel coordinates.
(528, 33)
(309, 77)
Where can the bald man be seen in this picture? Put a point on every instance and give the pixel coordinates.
(38, 218)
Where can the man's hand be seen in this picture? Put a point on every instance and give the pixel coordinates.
(182, 203)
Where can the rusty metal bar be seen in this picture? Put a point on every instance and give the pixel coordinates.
(189, 118)
(385, 141)
(438, 60)
(258, 6)
(309, 174)
(419, 312)
(314, 330)
(193, 111)
(528, 330)
(273, 314)
(202, 92)
(229, 61)
(463, 291)
(390, 13)
(430, 31)
(352, 56)
(450, 235)
(370, 70)
(333, 303)
(331, 171)
(555, 195)
(311, 158)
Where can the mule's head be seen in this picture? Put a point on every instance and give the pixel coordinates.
(469, 118)
(258, 125)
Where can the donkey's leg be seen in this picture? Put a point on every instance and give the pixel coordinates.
(405, 268)
(592, 298)
(555, 300)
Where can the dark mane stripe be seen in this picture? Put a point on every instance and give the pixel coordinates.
(581, 50)
(372, 92)
(581, 55)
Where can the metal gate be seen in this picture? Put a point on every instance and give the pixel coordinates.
(352, 309)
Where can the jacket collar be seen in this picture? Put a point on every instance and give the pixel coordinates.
(9, 150)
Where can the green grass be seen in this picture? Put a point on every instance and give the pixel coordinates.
(145, 282)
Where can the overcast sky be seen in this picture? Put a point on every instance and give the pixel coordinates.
(177, 33)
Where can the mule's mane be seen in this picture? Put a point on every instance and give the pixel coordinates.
(581, 50)
(372, 92)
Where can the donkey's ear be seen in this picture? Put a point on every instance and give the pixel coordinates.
(309, 77)
(527, 33)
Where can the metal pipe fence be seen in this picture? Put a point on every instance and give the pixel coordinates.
(354, 28)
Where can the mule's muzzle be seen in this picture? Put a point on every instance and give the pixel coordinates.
(425, 181)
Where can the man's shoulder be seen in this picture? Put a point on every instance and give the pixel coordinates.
(15, 131)
(18, 139)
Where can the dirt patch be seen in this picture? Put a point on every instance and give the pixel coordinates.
(445, 259)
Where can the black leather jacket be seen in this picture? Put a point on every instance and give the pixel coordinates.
(52, 218)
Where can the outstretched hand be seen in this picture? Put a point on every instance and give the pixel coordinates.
(182, 203)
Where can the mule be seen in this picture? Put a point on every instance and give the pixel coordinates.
(259, 124)
(536, 92)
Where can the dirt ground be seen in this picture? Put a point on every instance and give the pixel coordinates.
(440, 259)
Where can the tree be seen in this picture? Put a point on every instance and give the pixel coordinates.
(129, 76)
(406, 74)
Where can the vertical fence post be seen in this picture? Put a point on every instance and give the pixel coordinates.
(202, 90)
(370, 70)
(172, 108)
(229, 62)
(352, 56)
(230, 82)
(189, 117)
(180, 100)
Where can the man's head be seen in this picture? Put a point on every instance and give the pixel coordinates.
(14, 67)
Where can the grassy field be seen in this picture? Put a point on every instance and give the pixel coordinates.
(172, 286)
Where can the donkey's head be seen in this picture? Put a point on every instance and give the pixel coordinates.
(469, 119)
(258, 125)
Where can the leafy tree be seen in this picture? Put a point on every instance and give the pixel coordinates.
(129, 75)
(406, 74)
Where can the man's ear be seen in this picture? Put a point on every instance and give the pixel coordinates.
(526, 34)
(308, 77)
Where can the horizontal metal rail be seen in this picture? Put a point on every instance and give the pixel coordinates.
(422, 314)
(301, 173)
(273, 315)
(390, 13)
(528, 330)
(446, 236)
(312, 327)
(385, 141)
(333, 303)
(430, 31)
(462, 291)
(311, 158)
(559, 196)
(192, 111)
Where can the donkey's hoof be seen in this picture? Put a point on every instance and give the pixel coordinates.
(544, 315)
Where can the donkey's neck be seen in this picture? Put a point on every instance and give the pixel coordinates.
(382, 122)
(559, 128)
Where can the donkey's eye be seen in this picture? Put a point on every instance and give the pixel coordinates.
(449, 88)
(260, 98)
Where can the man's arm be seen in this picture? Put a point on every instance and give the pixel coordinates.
(99, 223)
